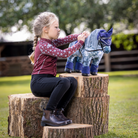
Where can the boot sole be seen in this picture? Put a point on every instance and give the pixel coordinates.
(70, 122)
(48, 124)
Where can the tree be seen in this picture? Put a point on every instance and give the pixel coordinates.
(93, 13)
(125, 11)
(111, 12)
(69, 13)
(19, 13)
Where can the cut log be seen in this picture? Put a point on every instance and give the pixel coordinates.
(69, 131)
(93, 111)
(25, 112)
(90, 86)
(90, 105)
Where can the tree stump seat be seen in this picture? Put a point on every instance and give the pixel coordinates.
(88, 107)
(69, 131)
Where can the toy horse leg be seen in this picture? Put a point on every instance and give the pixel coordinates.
(94, 69)
(78, 65)
(95, 63)
(86, 68)
(94, 66)
(69, 64)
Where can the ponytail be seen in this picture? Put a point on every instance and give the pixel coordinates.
(33, 53)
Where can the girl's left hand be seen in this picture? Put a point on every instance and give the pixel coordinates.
(86, 33)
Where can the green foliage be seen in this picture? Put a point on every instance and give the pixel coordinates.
(69, 13)
(137, 38)
(94, 13)
(125, 40)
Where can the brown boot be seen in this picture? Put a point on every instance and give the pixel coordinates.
(60, 115)
(50, 119)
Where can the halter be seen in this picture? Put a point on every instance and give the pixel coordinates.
(100, 42)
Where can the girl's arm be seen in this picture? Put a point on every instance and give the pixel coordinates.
(66, 40)
(48, 49)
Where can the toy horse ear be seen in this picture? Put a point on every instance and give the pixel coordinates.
(110, 32)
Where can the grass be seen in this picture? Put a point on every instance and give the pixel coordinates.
(123, 107)
(8, 86)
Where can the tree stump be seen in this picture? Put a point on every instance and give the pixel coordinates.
(90, 105)
(69, 131)
(91, 102)
(90, 86)
(25, 113)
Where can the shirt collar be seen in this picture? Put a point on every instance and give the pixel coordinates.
(47, 40)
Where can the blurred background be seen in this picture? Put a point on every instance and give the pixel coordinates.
(16, 37)
(75, 16)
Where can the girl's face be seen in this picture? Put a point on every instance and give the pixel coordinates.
(53, 31)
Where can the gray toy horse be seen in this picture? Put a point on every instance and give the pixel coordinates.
(96, 44)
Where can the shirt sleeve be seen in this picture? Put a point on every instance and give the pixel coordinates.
(48, 49)
(66, 40)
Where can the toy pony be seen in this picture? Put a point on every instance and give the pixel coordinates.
(96, 44)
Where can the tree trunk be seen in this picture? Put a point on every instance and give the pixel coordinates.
(90, 86)
(25, 112)
(91, 102)
(92, 111)
(90, 105)
(69, 131)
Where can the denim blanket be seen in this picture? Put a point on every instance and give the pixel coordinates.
(96, 44)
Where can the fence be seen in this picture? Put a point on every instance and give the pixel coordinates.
(123, 60)
(15, 66)
(114, 61)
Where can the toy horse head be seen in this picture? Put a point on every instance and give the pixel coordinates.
(104, 39)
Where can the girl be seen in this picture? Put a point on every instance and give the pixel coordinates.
(43, 82)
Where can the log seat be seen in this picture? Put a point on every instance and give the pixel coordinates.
(69, 131)
(89, 106)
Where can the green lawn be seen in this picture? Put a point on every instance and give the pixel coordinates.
(123, 108)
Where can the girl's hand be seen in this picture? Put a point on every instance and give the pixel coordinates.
(82, 37)
(86, 33)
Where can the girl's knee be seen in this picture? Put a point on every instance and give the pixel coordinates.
(73, 81)
(65, 82)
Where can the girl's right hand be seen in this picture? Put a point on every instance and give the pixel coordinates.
(82, 37)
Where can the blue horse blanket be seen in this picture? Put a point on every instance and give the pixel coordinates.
(96, 44)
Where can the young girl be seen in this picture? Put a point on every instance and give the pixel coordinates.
(43, 82)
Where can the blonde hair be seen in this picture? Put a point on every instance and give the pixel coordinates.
(43, 19)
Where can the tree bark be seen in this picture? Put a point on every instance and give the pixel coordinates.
(25, 112)
(92, 111)
(69, 131)
(91, 102)
(90, 105)
(90, 86)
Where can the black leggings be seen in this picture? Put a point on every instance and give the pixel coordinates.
(60, 90)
